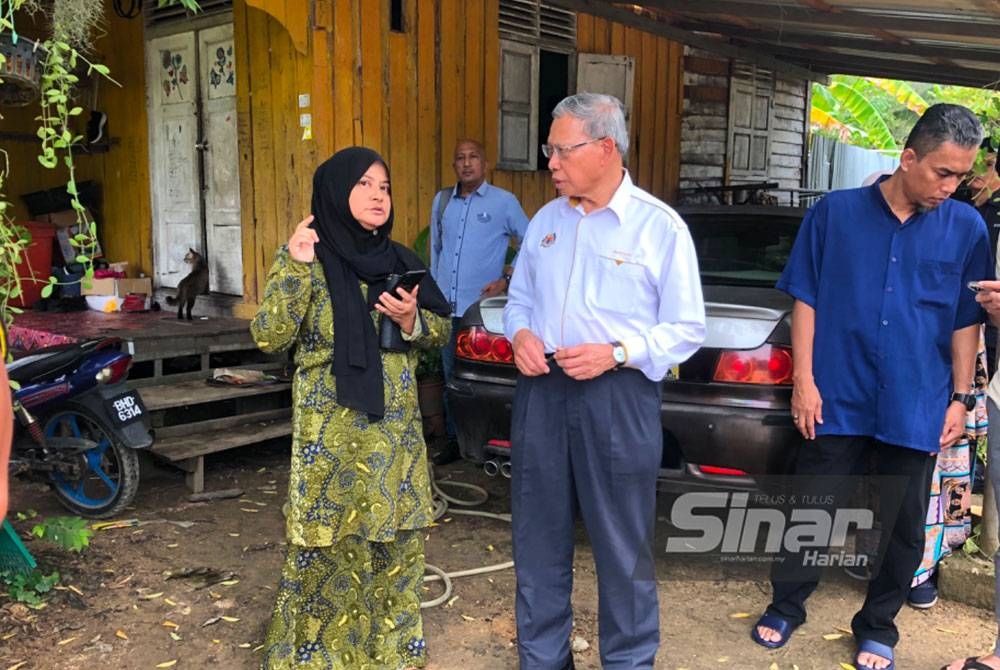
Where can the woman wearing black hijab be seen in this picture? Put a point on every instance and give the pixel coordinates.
(359, 491)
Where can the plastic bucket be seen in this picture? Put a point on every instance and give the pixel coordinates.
(36, 264)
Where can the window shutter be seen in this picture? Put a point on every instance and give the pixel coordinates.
(534, 22)
(612, 75)
(518, 106)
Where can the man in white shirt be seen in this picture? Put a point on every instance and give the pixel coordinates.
(605, 300)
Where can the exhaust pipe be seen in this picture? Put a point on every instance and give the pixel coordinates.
(505, 469)
(491, 468)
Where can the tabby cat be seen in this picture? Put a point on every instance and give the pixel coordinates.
(191, 286)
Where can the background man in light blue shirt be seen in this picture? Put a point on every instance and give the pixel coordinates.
(605, 300)
(472, 226)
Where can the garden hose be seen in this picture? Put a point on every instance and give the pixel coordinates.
(441, 501)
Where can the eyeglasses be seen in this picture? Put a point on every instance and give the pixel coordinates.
(549, 150)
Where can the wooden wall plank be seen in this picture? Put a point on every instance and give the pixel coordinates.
(474, 56)
(647, 117)
(585, 32)
(401, 149)
(491, 74)
(253, 260)
(451, 38)
(428, 118)
(344, 78)
(262, 115)
(662, 74)
(372, 72)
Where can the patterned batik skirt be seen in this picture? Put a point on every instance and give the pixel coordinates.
(351, 606)
(949, 512)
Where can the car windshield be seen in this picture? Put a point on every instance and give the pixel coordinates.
(744, 251)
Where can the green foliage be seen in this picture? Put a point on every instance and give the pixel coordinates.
(421, 245)
(29, 588)
(69, 532)
(429, 366)
(879, 113)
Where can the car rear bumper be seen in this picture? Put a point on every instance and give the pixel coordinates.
(756, 440)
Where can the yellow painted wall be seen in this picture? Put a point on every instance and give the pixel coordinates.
(123, 171)
(409, 95)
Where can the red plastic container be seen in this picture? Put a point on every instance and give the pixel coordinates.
(36, 266)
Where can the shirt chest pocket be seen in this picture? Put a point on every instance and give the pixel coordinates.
(616, 286)
(937, 282)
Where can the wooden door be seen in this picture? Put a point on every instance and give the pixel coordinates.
(195, 166)
(220, 159)
(171, 70)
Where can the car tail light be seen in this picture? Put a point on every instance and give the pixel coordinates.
(770, 364)
(115, 371)
(478, 344)
(716, 470)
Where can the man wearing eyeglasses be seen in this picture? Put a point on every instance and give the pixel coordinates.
(472, 226)
(606, 299)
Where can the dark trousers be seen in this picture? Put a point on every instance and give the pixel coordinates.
(591, 447)
(448, 365)
(824, 466)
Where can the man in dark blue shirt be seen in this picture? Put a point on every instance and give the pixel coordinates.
(884, 338)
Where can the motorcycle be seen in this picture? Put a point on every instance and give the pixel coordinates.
(78, 427)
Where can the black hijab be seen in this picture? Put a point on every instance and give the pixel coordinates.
(350, 254)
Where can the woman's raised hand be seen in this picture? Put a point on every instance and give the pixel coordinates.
(302, 242)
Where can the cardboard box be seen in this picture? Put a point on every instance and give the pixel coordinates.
(98, 287)
(63, 219)
(118, 287)
(142, 285)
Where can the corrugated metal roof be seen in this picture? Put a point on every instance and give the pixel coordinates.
(940, 41)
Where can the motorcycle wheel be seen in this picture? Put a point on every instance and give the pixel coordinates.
(109, 476)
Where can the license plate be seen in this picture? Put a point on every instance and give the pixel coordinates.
(126, 408)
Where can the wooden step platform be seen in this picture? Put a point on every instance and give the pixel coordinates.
(171, 359)
(192, 419)
(188, 452)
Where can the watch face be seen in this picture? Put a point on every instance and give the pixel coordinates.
(619, 354)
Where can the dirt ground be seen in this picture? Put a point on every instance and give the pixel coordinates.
(121, 610)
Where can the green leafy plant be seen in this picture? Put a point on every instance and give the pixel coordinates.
(30, 588)
(69, 532)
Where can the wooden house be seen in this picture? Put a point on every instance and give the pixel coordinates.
(220, 119)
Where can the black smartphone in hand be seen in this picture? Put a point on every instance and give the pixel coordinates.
(406, 281)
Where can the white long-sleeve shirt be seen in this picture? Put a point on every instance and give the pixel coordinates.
(626, 272)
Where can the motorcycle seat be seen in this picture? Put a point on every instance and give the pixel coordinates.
(53, 362)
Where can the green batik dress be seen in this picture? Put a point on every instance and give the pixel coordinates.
(349, 593)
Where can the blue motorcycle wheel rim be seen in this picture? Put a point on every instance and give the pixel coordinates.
(102, 471)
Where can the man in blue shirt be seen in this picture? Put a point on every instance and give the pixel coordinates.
(472, 226)
(884, 339)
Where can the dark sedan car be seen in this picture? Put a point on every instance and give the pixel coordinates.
(725, 412)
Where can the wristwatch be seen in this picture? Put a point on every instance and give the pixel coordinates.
(967, 399)
(507, 276)
(619, 354)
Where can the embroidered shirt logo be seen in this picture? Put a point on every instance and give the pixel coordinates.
(549, 240)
